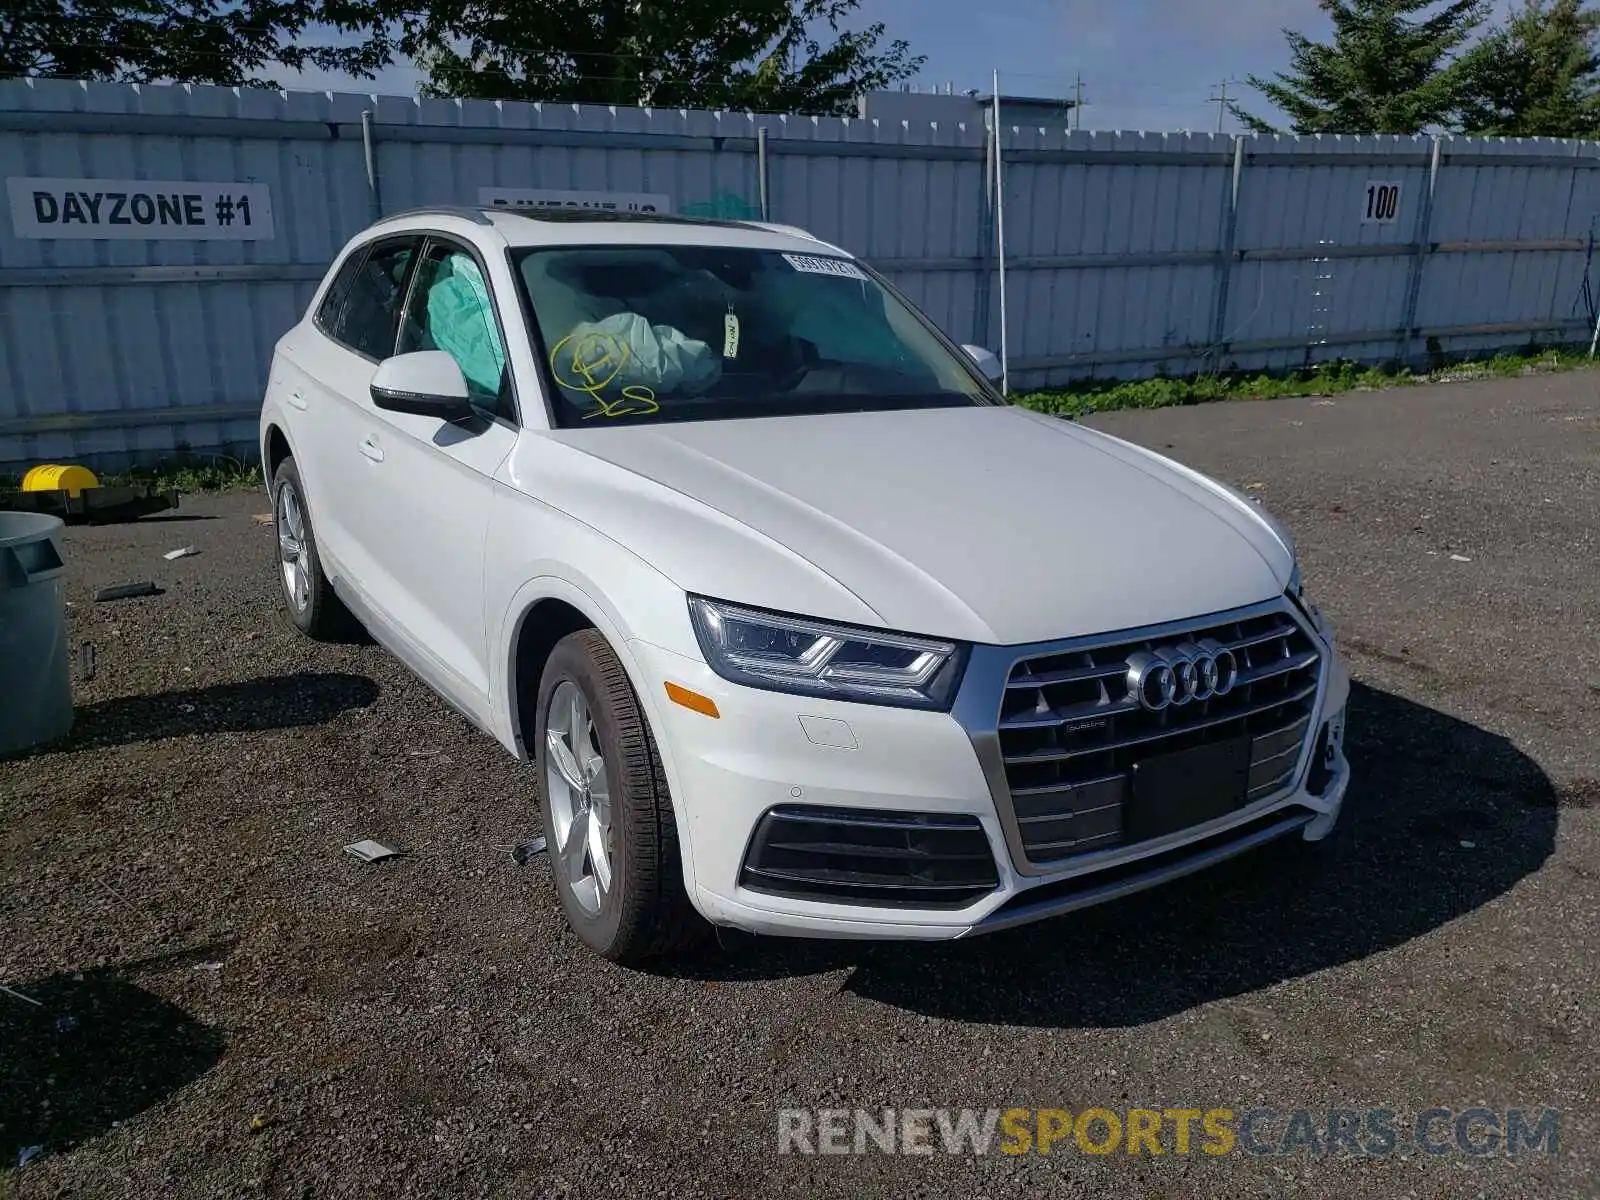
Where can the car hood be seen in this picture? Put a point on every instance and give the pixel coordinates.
(986, 524)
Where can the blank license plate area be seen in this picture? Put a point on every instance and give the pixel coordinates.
(1176, 791)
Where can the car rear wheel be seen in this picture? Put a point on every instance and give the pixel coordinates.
(613, 844)
(313, 607)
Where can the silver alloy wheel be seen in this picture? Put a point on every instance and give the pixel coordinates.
(580, 797)
(292, 550)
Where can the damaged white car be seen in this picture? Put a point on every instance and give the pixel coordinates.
(806, 629)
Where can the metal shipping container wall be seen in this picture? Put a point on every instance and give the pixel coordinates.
(131, 329)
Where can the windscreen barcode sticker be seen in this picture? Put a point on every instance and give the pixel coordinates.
(813, 264)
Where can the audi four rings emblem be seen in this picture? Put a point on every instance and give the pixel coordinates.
(1176, 675)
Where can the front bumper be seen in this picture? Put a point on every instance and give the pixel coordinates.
(770, 749)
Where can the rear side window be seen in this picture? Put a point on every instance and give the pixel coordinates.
(333, 302)
(362, 308)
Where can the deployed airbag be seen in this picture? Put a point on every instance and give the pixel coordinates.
(458, 320)
(625, 350)
(839, 319)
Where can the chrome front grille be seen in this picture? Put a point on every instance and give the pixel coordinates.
(1070, 734)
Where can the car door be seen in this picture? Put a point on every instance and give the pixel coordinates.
(354, 331)
(300, 362)
(431, 482)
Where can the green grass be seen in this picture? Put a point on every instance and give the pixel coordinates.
(193, 473)
(187, 473)
(1325, 379)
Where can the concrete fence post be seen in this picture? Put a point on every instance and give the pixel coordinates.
(762, 167)
(369, 149)
(1225, 255)
(984, 293)
(1420, 250)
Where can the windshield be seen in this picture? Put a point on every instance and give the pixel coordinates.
(641, 334)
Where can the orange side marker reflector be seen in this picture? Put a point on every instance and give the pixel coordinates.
(693, 700)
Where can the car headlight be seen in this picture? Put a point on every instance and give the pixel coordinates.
(816, 658)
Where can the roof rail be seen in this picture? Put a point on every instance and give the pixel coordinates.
(578, 216)
(776, 227)
(467, 212)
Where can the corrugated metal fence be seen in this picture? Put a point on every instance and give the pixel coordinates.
(1126, 253)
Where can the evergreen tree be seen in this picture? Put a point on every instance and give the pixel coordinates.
(1389, 69)
(1539, 76)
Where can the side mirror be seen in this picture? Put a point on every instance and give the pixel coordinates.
(987, 362)
(427, 383)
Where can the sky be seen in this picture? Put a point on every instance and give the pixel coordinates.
(1146, 64)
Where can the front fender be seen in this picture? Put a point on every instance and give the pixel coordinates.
(582, 595)
(558, 581)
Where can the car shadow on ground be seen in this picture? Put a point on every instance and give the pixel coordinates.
(272, 702)
(1441, 818)
(85, 1051)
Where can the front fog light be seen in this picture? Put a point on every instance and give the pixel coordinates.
(1335, 743)
(1325, 754)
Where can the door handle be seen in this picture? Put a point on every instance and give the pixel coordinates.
(298, 400)
(371, 449)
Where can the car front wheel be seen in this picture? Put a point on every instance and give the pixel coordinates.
(608, 820)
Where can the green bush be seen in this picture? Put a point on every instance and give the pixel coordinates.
(1324, 379)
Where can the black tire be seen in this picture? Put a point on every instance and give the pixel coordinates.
(645, 912)
(323, 616)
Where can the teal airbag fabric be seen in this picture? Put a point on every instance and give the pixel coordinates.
(458, 319)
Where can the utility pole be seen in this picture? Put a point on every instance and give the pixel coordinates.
(1221, 101)
(1077, 103)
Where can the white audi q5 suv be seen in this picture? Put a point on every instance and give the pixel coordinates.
(805, 629)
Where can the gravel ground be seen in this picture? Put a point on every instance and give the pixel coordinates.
(231, 1006)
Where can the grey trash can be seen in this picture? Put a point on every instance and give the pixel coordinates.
(35, 684)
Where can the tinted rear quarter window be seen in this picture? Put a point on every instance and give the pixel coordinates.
(333, 302)
(368, 303)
